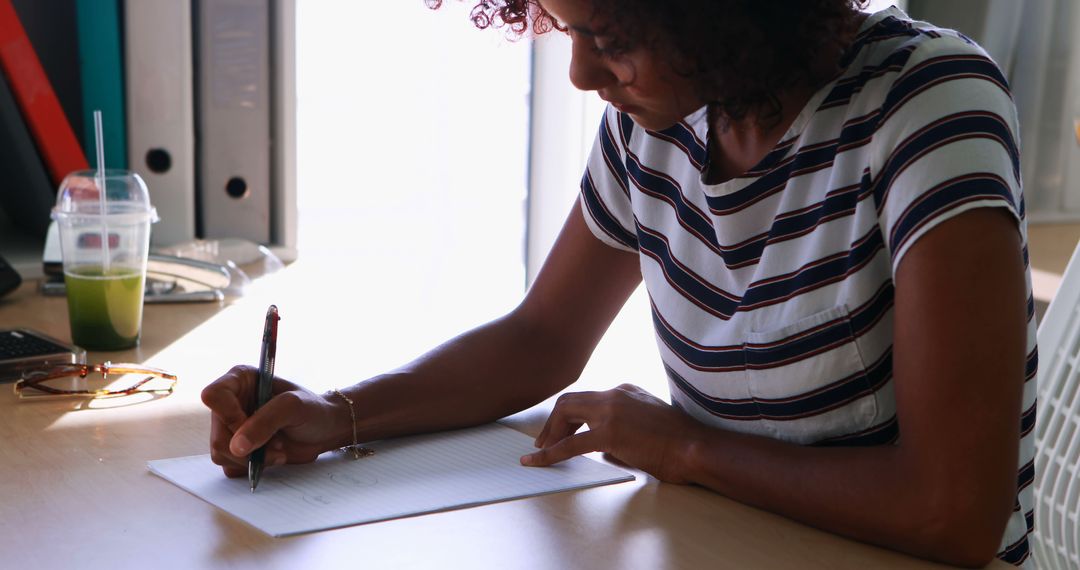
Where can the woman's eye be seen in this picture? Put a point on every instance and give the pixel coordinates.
(605, 47)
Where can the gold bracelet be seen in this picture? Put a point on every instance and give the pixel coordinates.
(355, 449)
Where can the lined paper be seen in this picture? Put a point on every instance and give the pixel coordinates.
(406, 476)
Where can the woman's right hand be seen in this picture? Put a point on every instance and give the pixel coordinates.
(296, 425)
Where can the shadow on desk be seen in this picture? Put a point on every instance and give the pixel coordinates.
(240, 543)
(649, 530)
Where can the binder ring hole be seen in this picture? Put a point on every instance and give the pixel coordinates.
(158, 160)
(236, 188)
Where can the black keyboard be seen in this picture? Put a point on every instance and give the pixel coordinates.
(21, 349)
(22, 344)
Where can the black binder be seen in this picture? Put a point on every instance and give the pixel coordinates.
(26, 193)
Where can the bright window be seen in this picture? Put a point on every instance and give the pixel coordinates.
(412, 149)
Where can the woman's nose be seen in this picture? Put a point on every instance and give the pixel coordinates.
(588, 71)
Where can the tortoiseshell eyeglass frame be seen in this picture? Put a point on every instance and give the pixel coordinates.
(32, 384)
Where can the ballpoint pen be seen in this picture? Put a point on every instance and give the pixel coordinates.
(262, 388)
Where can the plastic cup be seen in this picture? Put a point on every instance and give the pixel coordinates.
(104, 255)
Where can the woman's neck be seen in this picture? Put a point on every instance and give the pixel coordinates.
(735, 146)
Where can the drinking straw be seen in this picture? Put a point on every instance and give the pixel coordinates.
(99, 140)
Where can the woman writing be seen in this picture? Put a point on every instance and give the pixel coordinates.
(825, 208)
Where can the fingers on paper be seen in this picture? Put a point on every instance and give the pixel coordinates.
(557, 430)
(571, 411)
(572, 446)
(559, 439)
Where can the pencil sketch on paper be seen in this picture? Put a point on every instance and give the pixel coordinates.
(275, 481)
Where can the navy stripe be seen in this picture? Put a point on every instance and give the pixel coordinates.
(787, 226)
(867, 315)
(846, 88)
(814, 275)
(834, 395)
(686, 140)
(881, 434)
(857, 132)
(1031, 365)
(1027, 421)
(821, 338)
(1016, 553)
(602, 216)
(745, 409)
(935, 71)
(692, 286)
(950, 129)
(731, 358)
(791, 225)
(809, 159)
(700, 357)
(817, 340)
(612, 157)
(724, 304)
(626, 128)
(778, 153)
(1026, 476)
(746, 253)
(854, 134)
(838, 203)
(888, 28)
(662, 187)
(943, 197)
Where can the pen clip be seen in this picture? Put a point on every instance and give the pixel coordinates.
(269, 342)
(267, 358)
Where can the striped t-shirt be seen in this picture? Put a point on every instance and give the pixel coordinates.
(772, 293)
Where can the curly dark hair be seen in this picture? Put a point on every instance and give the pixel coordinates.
(739, 54)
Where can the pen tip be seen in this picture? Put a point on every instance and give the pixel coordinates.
(255, 470)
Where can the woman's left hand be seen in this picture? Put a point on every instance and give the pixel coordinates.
(627, 423)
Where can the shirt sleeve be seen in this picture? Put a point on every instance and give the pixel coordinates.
(605, 187)
(946, 142)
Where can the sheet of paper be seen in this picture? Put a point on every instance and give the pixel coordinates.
(406, 476)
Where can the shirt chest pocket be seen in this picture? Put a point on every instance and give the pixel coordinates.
(809, 380)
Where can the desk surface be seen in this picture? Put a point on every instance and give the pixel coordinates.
(75, 491)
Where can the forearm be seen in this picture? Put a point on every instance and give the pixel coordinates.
(487, 373)
(511, 363)
(882, 494)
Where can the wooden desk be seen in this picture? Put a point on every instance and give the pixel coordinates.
(75, 491)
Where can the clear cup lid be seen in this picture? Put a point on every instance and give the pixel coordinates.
(126, 196)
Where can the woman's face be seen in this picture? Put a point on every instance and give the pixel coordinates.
(637, 81)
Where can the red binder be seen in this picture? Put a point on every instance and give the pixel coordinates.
(55, 139)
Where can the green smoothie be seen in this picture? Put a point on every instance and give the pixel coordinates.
(105, 308)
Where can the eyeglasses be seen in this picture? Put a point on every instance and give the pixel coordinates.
(80, 380)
